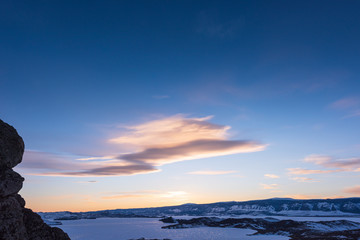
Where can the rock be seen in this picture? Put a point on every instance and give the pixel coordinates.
(10, 182)
(38, 230)
(17, 222)
(168, 220)
(11, 146)
(12, 225)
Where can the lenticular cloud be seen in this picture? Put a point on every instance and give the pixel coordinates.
(163, 141)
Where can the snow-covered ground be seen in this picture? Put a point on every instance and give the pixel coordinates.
(134, 228)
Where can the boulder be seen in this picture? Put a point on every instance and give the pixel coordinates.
(10, 182)
(16, 221)
(11, 146)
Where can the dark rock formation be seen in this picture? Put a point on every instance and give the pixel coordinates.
(168, 220)
(296, 230)
(11, 146)
(17, 222)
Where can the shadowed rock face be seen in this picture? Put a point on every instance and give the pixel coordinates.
(11, 146)
(17, 222)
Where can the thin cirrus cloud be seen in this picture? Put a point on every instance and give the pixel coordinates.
(304, 179)
(350, 104)
(346, 103)
(271, 176)
(329, 164)
(269, 186)
(154, 194)
(302, 171)
(341, 164)
(355, 190)
(156, 143)
(211, 172)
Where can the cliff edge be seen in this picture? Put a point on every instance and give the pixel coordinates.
(16, 221)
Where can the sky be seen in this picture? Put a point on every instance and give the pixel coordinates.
(127, 104)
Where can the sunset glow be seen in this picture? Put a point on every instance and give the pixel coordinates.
(131, 104)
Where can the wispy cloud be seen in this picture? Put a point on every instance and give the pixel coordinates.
(111, 170)
(152, 194)
(345, 164)
(351, 105)
(302, 171)
(171, 131)
(354, 113)
(96, 158)
(211, 172)
(157, 142)
(346, 103)
(121, 196)
(304, 179)
(43, 160)
(355, 190)
(302, 196)
(92, 181)
(269, 186)
(330, 165)
(271, 176)
(191, 150)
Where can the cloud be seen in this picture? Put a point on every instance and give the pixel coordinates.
(50, 164)
(350, 104)
(191, 150)
(154, 194)
(302, 196)
(92, 181)
(354, 113)
(211, 172)
(121, 196)
(346, 103)
(96, 158)
(105, 171)
(345, 164)
(271, 176)
(43, 160)
(304, 179)
(302, 171)
(355, 190)
(269, 186)
(155, 143)
(330, 164)
(171, 131)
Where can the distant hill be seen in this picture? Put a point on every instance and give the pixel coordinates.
(267, 207)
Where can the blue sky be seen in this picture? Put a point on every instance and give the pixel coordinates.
(182, 101)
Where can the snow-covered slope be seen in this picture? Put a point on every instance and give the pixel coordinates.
(268, 207)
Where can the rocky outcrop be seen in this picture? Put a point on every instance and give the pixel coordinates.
(16, 221)
(295, 230)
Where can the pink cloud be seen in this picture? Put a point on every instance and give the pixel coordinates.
(345, 164)
(192, 150)
(355, 190)
(211, 172)
(157, 142)
(269, 186)
(304, 179)
(271, 176)
(301, 171)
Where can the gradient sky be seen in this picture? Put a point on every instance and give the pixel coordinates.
(127, 104)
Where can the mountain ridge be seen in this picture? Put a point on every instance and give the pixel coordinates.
(265, 207)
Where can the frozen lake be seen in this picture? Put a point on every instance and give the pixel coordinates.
(134, 228)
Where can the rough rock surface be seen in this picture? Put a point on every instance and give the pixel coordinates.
(11, 146)
(17, 222)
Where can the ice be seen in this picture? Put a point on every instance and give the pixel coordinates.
(134, 228)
